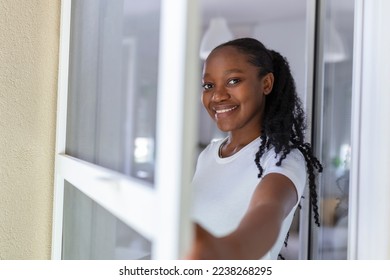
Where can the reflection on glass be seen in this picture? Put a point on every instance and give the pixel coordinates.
(113, 73)
(336, 130)
(91, 233)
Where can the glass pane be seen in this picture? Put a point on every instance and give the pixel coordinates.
(336, 130)
(90, 232)
(113, 84)
(280, 25)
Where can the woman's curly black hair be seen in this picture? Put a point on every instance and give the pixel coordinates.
(283, 123)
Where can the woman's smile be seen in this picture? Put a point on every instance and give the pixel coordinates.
(224, 111)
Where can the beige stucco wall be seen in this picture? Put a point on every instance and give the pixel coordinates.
(29, 34)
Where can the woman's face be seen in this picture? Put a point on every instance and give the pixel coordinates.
(233, 92)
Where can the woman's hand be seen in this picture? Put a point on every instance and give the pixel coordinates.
(208, 247)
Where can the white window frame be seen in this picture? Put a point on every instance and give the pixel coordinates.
(370, 177)
(165, 209)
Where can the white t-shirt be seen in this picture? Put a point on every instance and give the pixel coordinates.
(223, 187)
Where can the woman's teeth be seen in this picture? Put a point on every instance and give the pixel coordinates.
(220, 111)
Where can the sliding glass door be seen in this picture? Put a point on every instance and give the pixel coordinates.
(332, 125)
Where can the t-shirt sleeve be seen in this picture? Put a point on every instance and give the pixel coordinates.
(293, 167)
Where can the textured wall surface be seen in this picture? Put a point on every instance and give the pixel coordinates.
(29, 34)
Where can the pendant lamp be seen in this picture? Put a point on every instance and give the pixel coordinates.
(334, 46)
(217, 33)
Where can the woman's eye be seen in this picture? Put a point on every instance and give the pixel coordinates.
(233, 81)
(207, 86)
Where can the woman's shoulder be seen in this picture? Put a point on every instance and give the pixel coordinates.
(294, 155)
(292, 166)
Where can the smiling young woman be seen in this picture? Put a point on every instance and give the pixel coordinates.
(248, 185)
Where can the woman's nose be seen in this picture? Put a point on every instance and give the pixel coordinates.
(220, 94)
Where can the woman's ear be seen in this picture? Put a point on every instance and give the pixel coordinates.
(268, 83)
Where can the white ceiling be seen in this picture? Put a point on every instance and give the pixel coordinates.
(239, 12)
(252, 11)
(255, 11)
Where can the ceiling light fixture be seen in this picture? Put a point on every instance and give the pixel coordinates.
(334, 46)
(217, 33)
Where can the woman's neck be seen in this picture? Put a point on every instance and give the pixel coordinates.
(235, 143)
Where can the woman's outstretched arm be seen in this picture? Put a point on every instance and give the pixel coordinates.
(272, 201)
